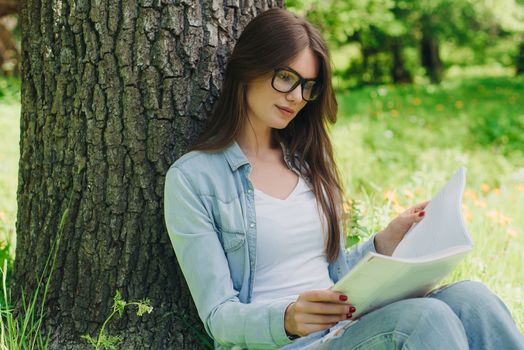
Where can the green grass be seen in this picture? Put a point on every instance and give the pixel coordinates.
(396, 146)
(9, 137)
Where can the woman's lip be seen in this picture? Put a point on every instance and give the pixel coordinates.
(288, 110)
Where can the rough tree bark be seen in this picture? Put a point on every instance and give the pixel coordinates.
(113, 91)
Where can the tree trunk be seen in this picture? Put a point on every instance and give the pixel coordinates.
(520, 59)
(113, 91)
(430, 52)
(399, 73)
(8, 7)
(9, 53)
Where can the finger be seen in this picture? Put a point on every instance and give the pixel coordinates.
(421, 206)
(419, 215)
(320, 308)
(323, 296)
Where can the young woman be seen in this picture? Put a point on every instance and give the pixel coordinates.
(254, 213)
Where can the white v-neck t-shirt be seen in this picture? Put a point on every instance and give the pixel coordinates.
(290, 256)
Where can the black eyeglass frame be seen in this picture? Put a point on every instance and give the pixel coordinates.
(302, 82)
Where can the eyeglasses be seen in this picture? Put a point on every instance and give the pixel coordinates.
(286, 80)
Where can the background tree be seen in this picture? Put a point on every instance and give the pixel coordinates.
(112, 93)
(397, 40)
(9, 54)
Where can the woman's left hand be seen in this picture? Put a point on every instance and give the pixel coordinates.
(387, 240)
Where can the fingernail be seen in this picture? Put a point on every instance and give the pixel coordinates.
(342, 297)
(422, 213)
(349, 315)
(352, 309)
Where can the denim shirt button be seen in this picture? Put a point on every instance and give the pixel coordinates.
(252, 225)
(250, 191)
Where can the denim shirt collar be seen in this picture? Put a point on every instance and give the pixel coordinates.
(234, 156)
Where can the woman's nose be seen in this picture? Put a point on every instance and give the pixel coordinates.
(295, 94)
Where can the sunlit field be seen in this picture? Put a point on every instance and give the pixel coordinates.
(396, 146)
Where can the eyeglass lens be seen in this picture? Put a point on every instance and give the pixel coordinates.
(286, 81)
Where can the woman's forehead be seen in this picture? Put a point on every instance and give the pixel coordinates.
(306, 64)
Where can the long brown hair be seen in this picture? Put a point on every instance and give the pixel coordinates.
(273, 39)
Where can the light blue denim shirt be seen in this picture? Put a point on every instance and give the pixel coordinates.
(209, 209)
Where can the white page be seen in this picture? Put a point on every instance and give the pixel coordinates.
(379, 280)
(442, 227)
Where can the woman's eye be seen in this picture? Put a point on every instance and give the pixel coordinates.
(285, 76)
(309, 86)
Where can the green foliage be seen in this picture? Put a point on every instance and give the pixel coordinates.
(107, 341)
(9, 90)
(467, 32)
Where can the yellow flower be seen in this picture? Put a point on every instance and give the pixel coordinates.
(504, 219)
(469, 193)
(394, 113)
(499, 217)
(511, 232)
(484, 187)
(346, 206)
(459, 104)
(390, 195)
(466, 213)
(399, 208)
(520, 188)
(440, 107)
(493, 213)
(417, 101)
(479, 203)
(409, 194)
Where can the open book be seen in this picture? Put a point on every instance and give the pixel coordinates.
(426, 254)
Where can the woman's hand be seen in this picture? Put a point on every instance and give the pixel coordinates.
(316, 310)
(387, 240)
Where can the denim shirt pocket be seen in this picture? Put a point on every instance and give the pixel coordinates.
(230, 223)
(232, 240)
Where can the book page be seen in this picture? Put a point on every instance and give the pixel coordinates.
(379, 280)
(442, 227)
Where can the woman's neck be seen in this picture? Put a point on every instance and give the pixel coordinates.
(257, 142)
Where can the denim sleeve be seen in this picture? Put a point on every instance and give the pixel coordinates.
(205, 268)
(357, 252)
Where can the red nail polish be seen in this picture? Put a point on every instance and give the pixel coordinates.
(349, 316)
(352, 309)
(422, 213)
(342, 297)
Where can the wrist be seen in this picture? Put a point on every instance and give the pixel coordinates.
(384, 243)
(287, 322)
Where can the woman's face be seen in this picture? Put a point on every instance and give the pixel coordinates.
(268, 108)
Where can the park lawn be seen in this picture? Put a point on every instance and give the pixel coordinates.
(397, 145)
(9, 154)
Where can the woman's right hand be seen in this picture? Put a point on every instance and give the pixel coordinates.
(316, 310)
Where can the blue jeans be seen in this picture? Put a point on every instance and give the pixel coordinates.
(463, 315)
